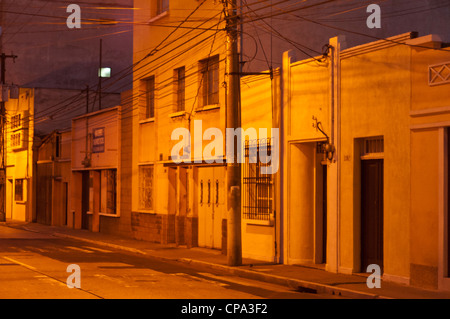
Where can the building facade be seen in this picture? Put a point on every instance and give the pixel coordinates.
(175, 89)
(53, 174)
(95, 168)
(19, 140)
(429, 125)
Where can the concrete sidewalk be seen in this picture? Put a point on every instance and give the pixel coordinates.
(298, 277)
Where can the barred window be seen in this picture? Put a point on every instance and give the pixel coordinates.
(16, 121)
(111, 193)
(18, 190)
(257, 187)
(16, 140)
(373, 145)
(146, 187)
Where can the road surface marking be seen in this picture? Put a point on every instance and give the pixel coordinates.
(20, 263)
(45, 275)
(98, 249)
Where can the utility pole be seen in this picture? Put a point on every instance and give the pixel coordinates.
(3, 58)
(87, 99)
(234, 241)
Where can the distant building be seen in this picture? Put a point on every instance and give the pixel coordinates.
(19, 139)
(100, 173)
(53, 175)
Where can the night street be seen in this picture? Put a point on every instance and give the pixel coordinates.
(205, 151)
(33, 265)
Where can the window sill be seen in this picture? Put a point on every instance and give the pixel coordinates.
(141, 211)
(177, 114)
(109, 215)
(21, 202)
(149, 120)
(158, 17)
(259, 222)
(208, 107)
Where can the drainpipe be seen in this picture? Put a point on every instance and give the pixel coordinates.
(285, 76)
(335, 46)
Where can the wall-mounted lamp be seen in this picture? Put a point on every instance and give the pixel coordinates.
(328, 149)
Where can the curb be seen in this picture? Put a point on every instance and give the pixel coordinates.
(299, 285)
(93, 241)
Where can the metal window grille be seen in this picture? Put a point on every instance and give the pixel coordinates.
(16, 121)
(373, 145)
(257, 187)
(111, 194)
(18, 190)
(146, 187)
(16, 140)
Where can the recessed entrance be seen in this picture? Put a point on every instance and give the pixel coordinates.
(371, 213)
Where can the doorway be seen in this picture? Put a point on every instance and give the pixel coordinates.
(372, 213)
(85, 184)
(210, 206)
(9, 199)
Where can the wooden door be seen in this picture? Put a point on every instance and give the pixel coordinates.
(85, 200)
(210, 207)
(371, 213)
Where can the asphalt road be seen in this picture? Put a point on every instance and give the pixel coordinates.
(34, 266)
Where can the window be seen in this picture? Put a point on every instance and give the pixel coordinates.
(373, 146)
(16, 140)
(147, 95)
(18, 190)
(16, 121)
(111, 194)
(108, 191)
(146, 187)
(209, 81)
(179, 88)
(258, 198)
(162, 6)
(58, 146)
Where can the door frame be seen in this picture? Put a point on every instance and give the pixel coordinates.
(444, 210)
